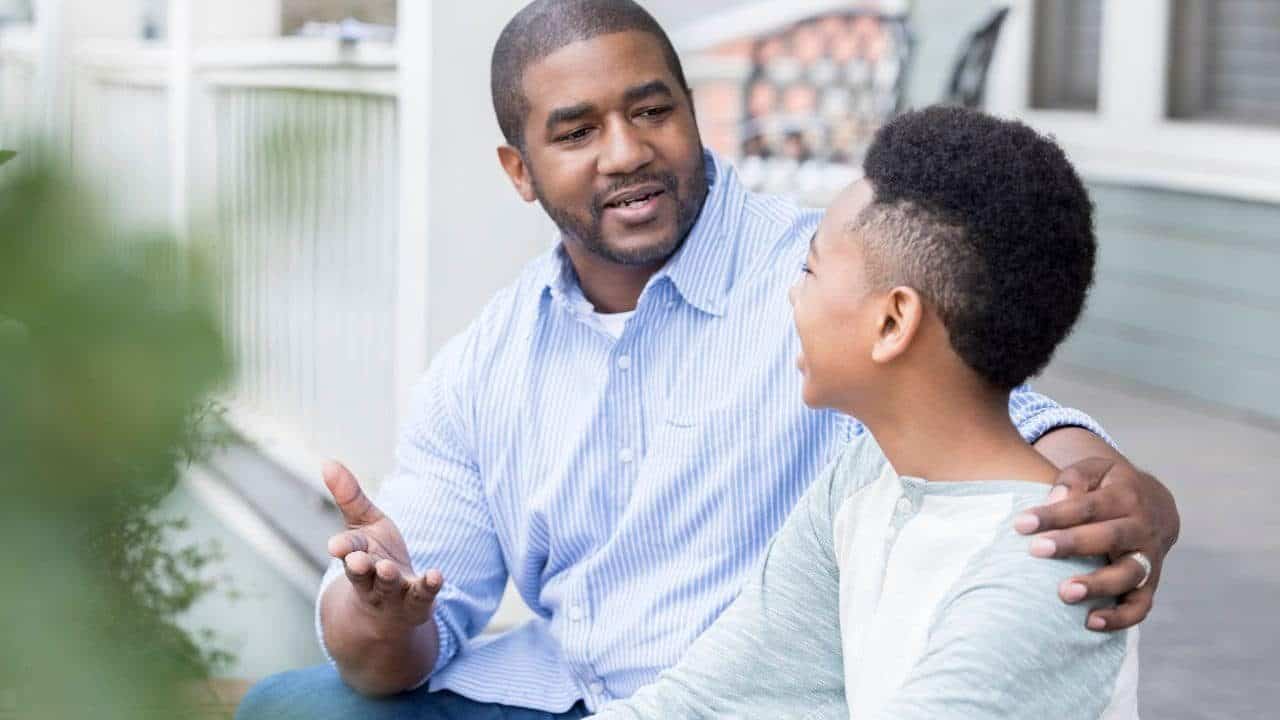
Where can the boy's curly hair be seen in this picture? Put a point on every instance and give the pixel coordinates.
(988, 220)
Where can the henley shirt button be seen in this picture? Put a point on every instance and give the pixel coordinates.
(626, 455)
(904, 505)
(597, 687)
(624, 362)
(575, 613)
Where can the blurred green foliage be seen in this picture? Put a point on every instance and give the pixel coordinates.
(109, 351)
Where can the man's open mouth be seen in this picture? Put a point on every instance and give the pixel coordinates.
(634, 198)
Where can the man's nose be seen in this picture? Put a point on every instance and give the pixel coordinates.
(625, 150)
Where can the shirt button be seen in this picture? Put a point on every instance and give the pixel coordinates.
(626, 455)
(575, 613)
(624, 362)
(597, 687)
(905, 506)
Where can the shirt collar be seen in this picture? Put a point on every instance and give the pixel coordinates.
(701, 270)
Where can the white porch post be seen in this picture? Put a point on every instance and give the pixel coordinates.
(180, 103)
(1132, 80)
(60, 26)
(464, 233)
(51, 39)
(414, 40)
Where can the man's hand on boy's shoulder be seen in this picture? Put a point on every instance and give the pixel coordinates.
(1106, 506)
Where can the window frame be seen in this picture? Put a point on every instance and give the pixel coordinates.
(1131, 139)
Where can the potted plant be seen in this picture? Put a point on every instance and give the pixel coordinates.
(107, 362)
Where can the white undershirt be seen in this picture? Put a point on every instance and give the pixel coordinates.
(613, 323)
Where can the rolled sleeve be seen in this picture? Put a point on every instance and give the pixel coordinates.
(1037, 415)
(436, 499)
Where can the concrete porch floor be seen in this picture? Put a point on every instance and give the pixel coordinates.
(1209, 646)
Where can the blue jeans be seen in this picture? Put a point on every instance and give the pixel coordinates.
(317, 693)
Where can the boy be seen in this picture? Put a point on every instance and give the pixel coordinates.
(933, 287)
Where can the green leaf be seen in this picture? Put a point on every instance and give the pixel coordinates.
(6, 156)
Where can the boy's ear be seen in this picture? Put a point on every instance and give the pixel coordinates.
(513, 164)
(901, 314)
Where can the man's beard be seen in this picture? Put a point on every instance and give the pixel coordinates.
(689, 196)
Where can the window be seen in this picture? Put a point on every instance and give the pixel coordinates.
(1223, 60)
(296, 14)
(1065, 54)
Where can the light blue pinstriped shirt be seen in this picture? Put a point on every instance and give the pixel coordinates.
(625, 485)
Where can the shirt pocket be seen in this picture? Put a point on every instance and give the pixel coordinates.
(716, 440)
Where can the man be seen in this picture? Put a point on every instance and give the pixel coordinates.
(620, 432)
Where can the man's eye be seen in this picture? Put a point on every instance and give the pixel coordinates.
(576, 135)
(655, 112)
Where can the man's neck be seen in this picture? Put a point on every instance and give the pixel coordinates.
(939, 433)
(610, 287)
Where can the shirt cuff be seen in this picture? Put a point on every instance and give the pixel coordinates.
(448, 641)
(335, 569)
(1043, 422)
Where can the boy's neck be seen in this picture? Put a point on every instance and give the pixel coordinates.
(939, 431)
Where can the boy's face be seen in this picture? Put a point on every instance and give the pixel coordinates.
(834, 307)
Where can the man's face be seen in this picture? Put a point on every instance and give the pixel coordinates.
(612, 148)
(834, 307)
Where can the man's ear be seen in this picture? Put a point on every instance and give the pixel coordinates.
(901, 314)
(513, 163)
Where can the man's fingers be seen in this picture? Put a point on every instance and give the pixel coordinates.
(1072, 501)
(1106, 503)
(359, 568)
(1132, 609)
(345, 543)
(1112, 581)
(357, 509)
(1085, 475)
(1111, 538)
(389, 582)
(422, 591)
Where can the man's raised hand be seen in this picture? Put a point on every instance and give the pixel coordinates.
(376, 558)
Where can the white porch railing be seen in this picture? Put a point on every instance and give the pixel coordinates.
(119, 130)
(306, 178)
(294, 180)
(19, 67)
(338, 200)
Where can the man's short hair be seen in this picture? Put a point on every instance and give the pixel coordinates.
(543, 27)
(990, 223)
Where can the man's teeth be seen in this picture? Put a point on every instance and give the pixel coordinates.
(629, 203)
